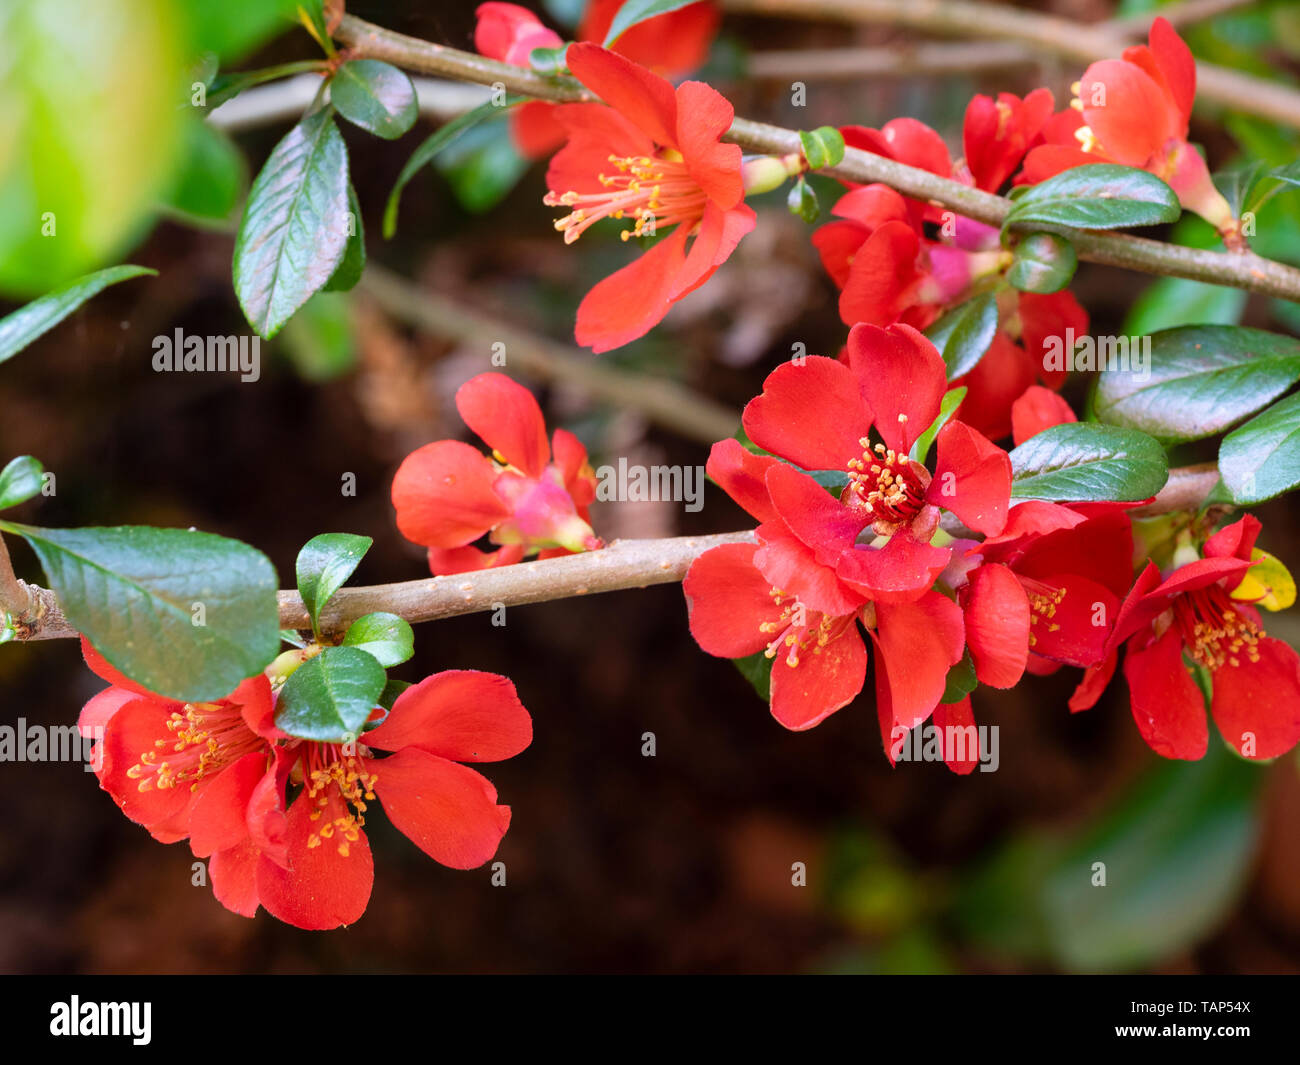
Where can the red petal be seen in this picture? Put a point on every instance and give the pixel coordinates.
(902, 377)
(739, 472)
(1176, 63)
(1076, 633)
(807, 694)
(99, 665)
(633, 300)
(135, 729)
(916, 644)
(812, 414)
(507, 418)
(972, 478)
(883, 276)
(1037, 409)
(1095, 679)
(916, 144)
(704, 115)
(997, 626)
(447, 810)
(948, 718)
(218, 820)
(788, 564)
(676, 42)
(324, 889)
(716, 238)
(837, 243)
(813, 515)
(444, 497)
(470, 559)
(460, 714)
(727, 599)
(594, 132)
(509, 33)
(534, 129)
(234, 878)
(1048, 160)
(1131, 119)
(997, 381)
(1056, 317)
(1257, 704)
(898, 572)
(645, 99)
(1234, 541)
(1167, 704)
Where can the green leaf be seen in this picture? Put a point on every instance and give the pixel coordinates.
(960, 681)
(294, 233)
(321, 338)
(550, 61)
(1288, 173)
(391, 691)
(329, 697)
(353, 264)
(947, 408)
(430, 147)
(822, 147)
(233, 28)
(757, 669)
(89, 132)
(324, 563)
(19, 481)
(1202, 379)
(635, 11)
(1262, 458)
(802, 201)
(1098, 196)
(1238, 182)
(1084, 462)
(964, 334)
(24, 325)
(212, 175)
(1043, 263)
(375, 96)
(1172, 301)
(186, 614)
(482, 166)
(386, 637)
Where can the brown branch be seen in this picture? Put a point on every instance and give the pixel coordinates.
(1245, 271)
(1044, 33)
(662, 401)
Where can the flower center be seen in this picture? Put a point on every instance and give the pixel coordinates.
(883, 482)
(655, 191)
(793, 629)
(208, 737)
(1214, 630)
(1043, 600)
(336, 779)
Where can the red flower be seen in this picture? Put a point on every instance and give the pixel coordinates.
(1193, 616)
(1047, 590)
(1134, 111)
(819, 415)
(197, 770)
(653, 156)
(671, 44)
(445, 808)
(533, 497)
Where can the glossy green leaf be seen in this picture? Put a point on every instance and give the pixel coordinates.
(1097, 196)
(1043, 263)
(757, 669)
(822, 147)
(186, 614)
(964, 334)
(635, 11)
(1083, 462)
(802, 201)
(375, 96)
(353, 264)
(1238, 183)
(387, 637)
(19, 481)
(960, 681)
(329, 697)
(294, 231)
(947, 408)
(24, 325)
(1262, 458)
(1201, 380)
(324, 563)
(429, 149)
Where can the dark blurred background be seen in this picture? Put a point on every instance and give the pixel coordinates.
(681, 862)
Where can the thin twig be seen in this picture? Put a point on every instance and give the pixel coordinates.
(662, 401)
(1245, 271)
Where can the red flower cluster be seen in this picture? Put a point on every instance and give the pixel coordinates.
(529, 497)
(281, 820)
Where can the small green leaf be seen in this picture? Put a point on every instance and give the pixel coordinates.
(1043, 263)
(1262, 458)
(947, 408)
(822, 147)
(757, 669)
(1097, 196)
(211, 178)
(1086, 462)
(964, 334)
(1238, 182)
(386, 637)
(294, 232)
(375, 96)
(391, 691)
(24, 325)
(321, 338)
(324, 563)
(430, 147)
(482, 166)
(549, 61)
(802, 201)
(329, 697)
(186, 614)
(960, 681)
(1201, 379)
(635, 11)
(353, 264)
(19, 481)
